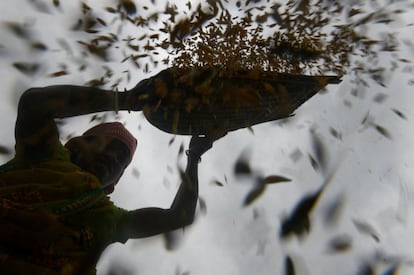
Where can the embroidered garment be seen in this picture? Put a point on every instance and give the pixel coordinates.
(55, 218)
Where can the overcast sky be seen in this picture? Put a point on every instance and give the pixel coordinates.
(372, 171)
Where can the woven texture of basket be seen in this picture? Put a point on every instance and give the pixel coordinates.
(214, 101)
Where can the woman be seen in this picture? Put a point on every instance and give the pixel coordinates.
(54, 213)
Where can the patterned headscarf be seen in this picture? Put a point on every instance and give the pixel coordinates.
(115, 130)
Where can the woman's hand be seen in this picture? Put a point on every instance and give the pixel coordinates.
(200, 145)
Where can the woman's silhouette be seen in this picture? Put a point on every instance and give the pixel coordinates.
(55, 216)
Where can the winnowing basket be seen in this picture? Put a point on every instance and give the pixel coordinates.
(214, 101)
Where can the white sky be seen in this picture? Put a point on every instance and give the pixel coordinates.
(374, 176)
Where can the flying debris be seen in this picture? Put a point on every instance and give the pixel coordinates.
(274, 179)
(399, 113)
(366, 228)
(257, 190)
(37, 45)
(334, 210)
(242, 166)
(340, 243)
(179, 272)
(366, 269)
(296, 155)
(27, 68)
(383, 131)
(203, 205)
(260, 186)
(289, 266)
(319, 151)
(18, 30)
(128, 6)
(5, 150)
(313, 162)
(335, 133)
(298, 222)
(172, 240)
(97, 82)
(392, 270)
(171, 141)
(380, 98)
(181, 149)
(58, 73)
(98, 51)
(136, 173)
(217, 183)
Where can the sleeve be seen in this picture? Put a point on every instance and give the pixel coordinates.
(120, 233)
(106, 223)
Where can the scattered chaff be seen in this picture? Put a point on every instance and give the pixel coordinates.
(298, 221)
(340, 243)
(289, 266)
(203, 205)
(319, 152)
(128, 6)
(366, 269)
(242, 165)
(259, 187)
(5, 150)
(335, 133)
(172, 240)
(366, 228)
(399, 113)
(217, 183)
(334, 210)
(18, 30)
(274, 179)
(59, 73)
(27, 68)
(257, 190)
(383, 131)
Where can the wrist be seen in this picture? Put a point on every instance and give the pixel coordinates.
(122, 101)
(133, 101)
(192, 155)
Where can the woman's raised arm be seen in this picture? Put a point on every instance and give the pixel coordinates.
(39, 106)
(152, 221)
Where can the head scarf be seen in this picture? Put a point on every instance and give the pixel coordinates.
(117, 131)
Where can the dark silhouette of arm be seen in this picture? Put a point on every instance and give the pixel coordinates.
(38, 107)
(147, 222)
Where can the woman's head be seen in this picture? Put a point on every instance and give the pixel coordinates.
(105, 151)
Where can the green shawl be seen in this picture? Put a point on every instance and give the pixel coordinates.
(55, 218)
